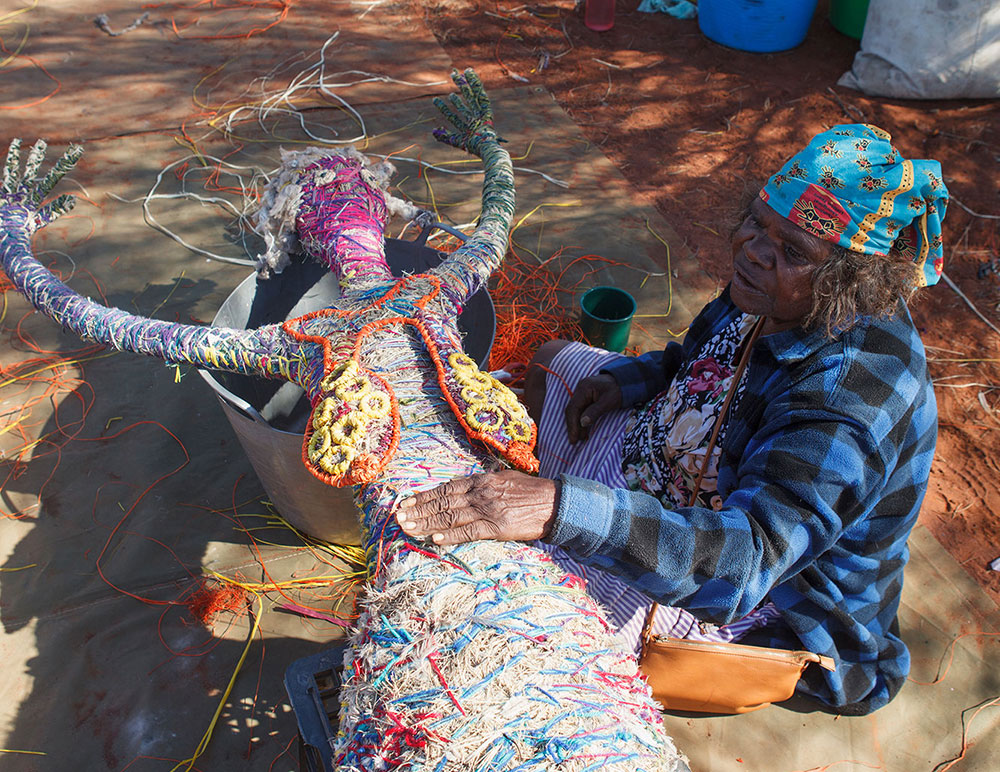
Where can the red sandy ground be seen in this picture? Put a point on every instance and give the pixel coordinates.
(692, 125)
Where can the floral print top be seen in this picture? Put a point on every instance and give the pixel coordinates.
(666, 439)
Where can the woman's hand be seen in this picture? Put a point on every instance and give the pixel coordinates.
(592, 398)
(507, 506)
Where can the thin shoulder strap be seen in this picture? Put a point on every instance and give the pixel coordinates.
(647, 627)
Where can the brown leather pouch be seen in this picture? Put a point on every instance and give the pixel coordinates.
(706, 677)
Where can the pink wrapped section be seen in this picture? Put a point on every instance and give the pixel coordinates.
(341, 220)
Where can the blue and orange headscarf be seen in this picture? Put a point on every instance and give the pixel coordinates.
(852, 187)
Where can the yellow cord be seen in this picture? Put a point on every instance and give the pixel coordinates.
(10, 426)
(62, 363)
(670, 282)
(27, 30)
(206, 738)
(525, 218)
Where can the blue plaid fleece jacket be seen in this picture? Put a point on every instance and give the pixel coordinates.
(822, 471)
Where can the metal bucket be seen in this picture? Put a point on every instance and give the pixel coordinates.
(269, 416)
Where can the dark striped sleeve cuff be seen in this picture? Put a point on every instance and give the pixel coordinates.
(640, 378)
(586, 513)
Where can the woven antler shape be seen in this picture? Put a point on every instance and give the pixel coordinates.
(484, 657)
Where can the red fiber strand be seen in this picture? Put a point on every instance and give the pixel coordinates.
(208, 599)
(238, 10)
(531, 304)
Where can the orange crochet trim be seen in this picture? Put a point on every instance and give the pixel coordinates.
(366, 467)
(301, 337)
(518, 453)
(324, 343)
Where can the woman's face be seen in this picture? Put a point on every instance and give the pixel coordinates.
(773, 265)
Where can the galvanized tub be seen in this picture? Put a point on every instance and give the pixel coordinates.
(269, 417)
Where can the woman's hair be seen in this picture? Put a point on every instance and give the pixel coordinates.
(851, 285)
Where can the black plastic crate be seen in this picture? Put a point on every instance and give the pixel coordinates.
(313, 686)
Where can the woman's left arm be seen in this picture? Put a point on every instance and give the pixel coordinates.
(801, 482)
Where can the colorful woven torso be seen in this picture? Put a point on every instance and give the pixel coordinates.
(482, 657)
(355, 425)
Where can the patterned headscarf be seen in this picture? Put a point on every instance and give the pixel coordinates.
(851, 186)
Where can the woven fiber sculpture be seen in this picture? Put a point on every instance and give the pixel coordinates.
(482, 657)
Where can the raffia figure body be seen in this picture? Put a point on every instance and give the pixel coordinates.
(484, 657)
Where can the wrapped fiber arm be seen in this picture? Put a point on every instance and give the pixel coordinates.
(468, 268)
(265, 352)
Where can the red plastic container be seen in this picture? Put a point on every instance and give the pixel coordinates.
(599, 15)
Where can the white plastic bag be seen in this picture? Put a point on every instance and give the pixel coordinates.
(929, 49)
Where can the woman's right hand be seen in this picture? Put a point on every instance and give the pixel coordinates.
(594, 396)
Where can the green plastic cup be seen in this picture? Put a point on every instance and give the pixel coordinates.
(606, 317)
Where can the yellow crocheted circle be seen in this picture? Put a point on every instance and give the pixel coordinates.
(484, 417)
(348, 429)
(508, 400)
(375, 404)
(338, 461)
(518, 431)
(319, 444)
(473, 393)
(346, 370)
(480, 379)
(461, 361)
(323, 413)
(350, 388)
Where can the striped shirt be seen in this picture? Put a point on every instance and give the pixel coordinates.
(599, 458)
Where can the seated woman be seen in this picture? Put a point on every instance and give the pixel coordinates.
(797, 537)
